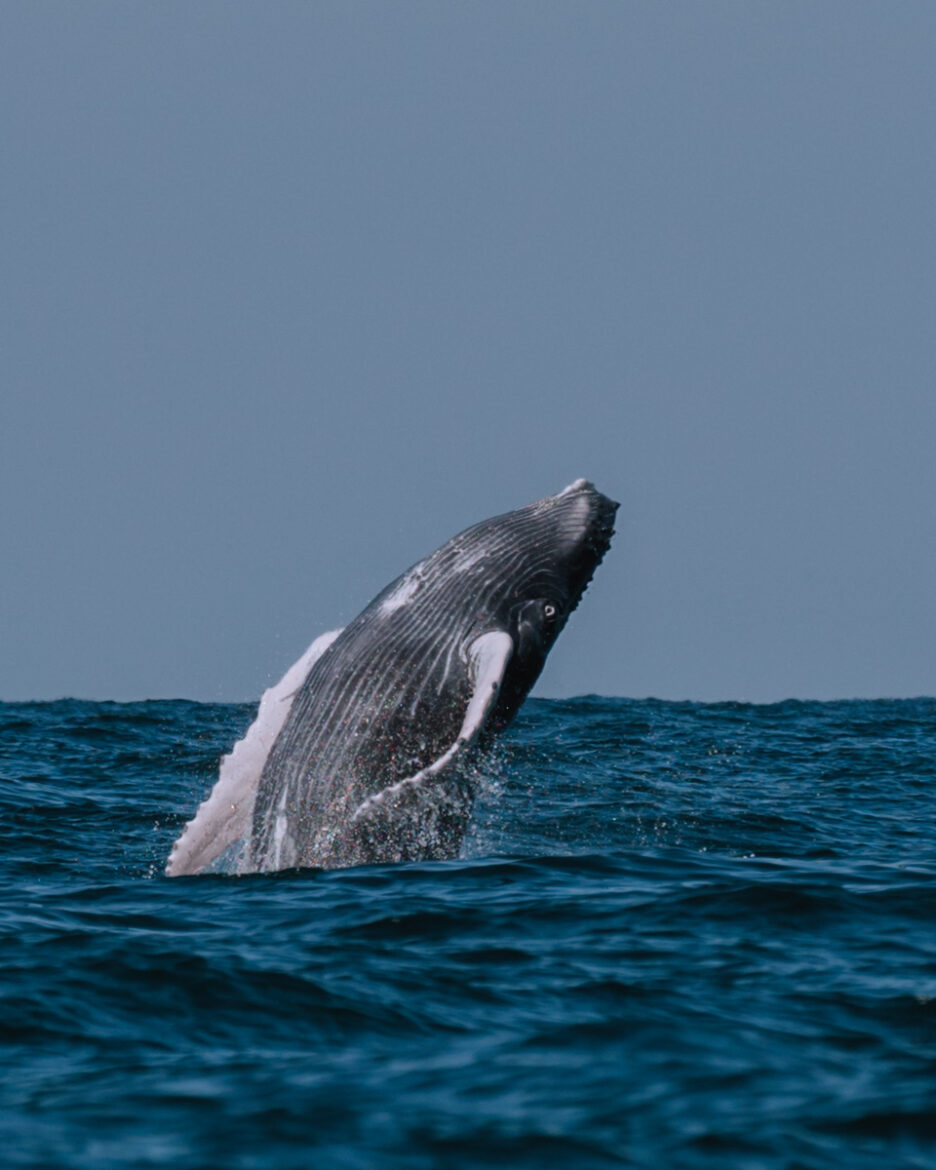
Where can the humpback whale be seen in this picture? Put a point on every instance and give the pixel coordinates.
(363, 752)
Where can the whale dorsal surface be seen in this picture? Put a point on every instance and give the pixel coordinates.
(371, 760)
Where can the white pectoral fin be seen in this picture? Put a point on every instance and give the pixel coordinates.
(225, 817)
(488, 656)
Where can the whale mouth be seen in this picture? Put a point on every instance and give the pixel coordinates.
(586, 525)
(602, 527)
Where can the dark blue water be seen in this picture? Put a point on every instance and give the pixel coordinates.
(681, 935)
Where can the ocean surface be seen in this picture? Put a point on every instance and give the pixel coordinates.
(679, 935)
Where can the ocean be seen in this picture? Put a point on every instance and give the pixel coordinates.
(679, 935)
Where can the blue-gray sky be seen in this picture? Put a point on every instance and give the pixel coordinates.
(292, 292)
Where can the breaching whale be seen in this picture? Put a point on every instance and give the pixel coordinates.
(361, 752)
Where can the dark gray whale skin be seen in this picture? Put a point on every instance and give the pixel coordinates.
(370, 764)
(364, 751)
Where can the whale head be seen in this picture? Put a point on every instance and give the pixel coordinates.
(527, 571)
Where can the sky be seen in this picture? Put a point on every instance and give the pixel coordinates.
(293, 292)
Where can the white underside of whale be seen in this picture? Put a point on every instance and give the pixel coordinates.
(226, 816)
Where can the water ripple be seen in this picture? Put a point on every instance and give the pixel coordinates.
(680, 934)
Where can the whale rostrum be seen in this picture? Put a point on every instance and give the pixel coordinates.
(362, 752)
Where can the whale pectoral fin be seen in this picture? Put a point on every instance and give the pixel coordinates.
(226, 815)
(488, 656)
(425, 815)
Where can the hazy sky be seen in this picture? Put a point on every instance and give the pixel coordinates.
(292, 292)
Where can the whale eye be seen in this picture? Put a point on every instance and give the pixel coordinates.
(549, 611)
